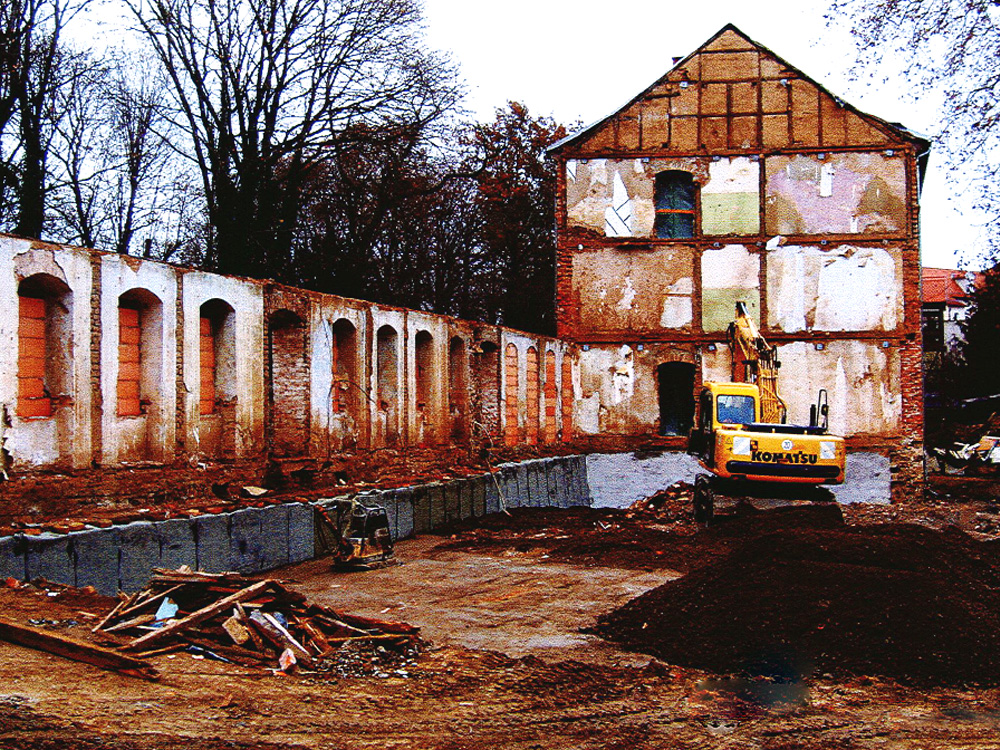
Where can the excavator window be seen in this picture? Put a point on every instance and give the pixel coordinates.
(733, 409)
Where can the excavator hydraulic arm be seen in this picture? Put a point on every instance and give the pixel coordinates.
(755, 361)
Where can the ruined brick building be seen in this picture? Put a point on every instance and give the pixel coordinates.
(733, 177)
(737, 177)
(145, 370)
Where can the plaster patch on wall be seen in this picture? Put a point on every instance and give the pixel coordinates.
(729, 275)
(843, 194)
(861, 378)
(628, 295)
(845, 288)
(677, 307)
(588, 410)
(618, 216)
(730, 201)
(787, 286)
(623, 376)
(858, 291)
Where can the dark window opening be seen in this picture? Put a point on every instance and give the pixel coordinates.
(675, 205)
(676, 392)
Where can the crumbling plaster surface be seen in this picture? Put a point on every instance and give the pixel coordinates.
(65, 437)
(430, 423)
(844, 193)
(386, 415)
(618, 389)
(843, 288)
(729, 274)
(330, 431)
(861, 378)
(247, 300)
(730, 200)
(151, 435)
(634, 289)
(614, 197)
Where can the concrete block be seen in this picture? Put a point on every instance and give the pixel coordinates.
(477, 489)
(273, 537)
(177, 543)
(212, 536)
(465, 498)
(245, 553)
(50, 556)
(583, 495)
(492, 494)
(436, 497)
(404, 512)
(522, 497)
(301, 532)
(96, 552)
(452, 501)
(12, 562)
(538, 490)
(553, 477)
(139, 553)
(421, 499)
(507, 478)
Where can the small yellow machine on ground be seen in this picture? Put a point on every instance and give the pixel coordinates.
(356, 533)
(742, 438)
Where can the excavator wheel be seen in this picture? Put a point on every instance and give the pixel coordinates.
(704, 499)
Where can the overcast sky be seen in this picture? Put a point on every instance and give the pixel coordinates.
(582, 60)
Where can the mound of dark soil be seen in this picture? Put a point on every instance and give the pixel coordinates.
(901, 601)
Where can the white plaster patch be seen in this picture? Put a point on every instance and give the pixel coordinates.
(677, 312)
(571, 170)
(858, 292)
(729, 267)
(618, 216)
(736, 175)
(787, 303)
(623, 376)
(588, 414)
(628, 296)
(826, 180)
(598, 172)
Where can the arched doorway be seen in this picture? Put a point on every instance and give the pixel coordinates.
(676, 395)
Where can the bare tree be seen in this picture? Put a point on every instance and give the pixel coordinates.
(948, 45)
(263, 91)
(35, 73)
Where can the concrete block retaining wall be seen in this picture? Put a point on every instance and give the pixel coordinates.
(252, 540)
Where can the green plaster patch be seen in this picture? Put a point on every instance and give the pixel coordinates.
(718, 306)
(730, 213)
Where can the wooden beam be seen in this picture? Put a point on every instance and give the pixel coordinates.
(70, 648)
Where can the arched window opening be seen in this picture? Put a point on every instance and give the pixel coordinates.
(217, 349)
(424, 357)
(458, 391)
(387, 390)
(486, 366)
(345, 367)
(289, 383)
(675, 205)
(140, 343)
(43, 346)
(567, 398)
(511, 431)
(531, 431)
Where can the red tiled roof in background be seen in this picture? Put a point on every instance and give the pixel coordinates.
(942, 285)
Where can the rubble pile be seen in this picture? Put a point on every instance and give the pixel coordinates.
(900, 601)
(256, 623)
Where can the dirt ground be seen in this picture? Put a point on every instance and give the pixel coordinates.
(502, 604)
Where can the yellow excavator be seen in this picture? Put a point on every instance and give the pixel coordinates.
(742, 437)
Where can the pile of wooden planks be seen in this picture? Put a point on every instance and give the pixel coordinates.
(231, 618)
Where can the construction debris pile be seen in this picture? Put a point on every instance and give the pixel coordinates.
(900, 601)
(978, 453)
(255, 623)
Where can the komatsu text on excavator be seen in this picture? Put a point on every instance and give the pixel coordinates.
(742, 437)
